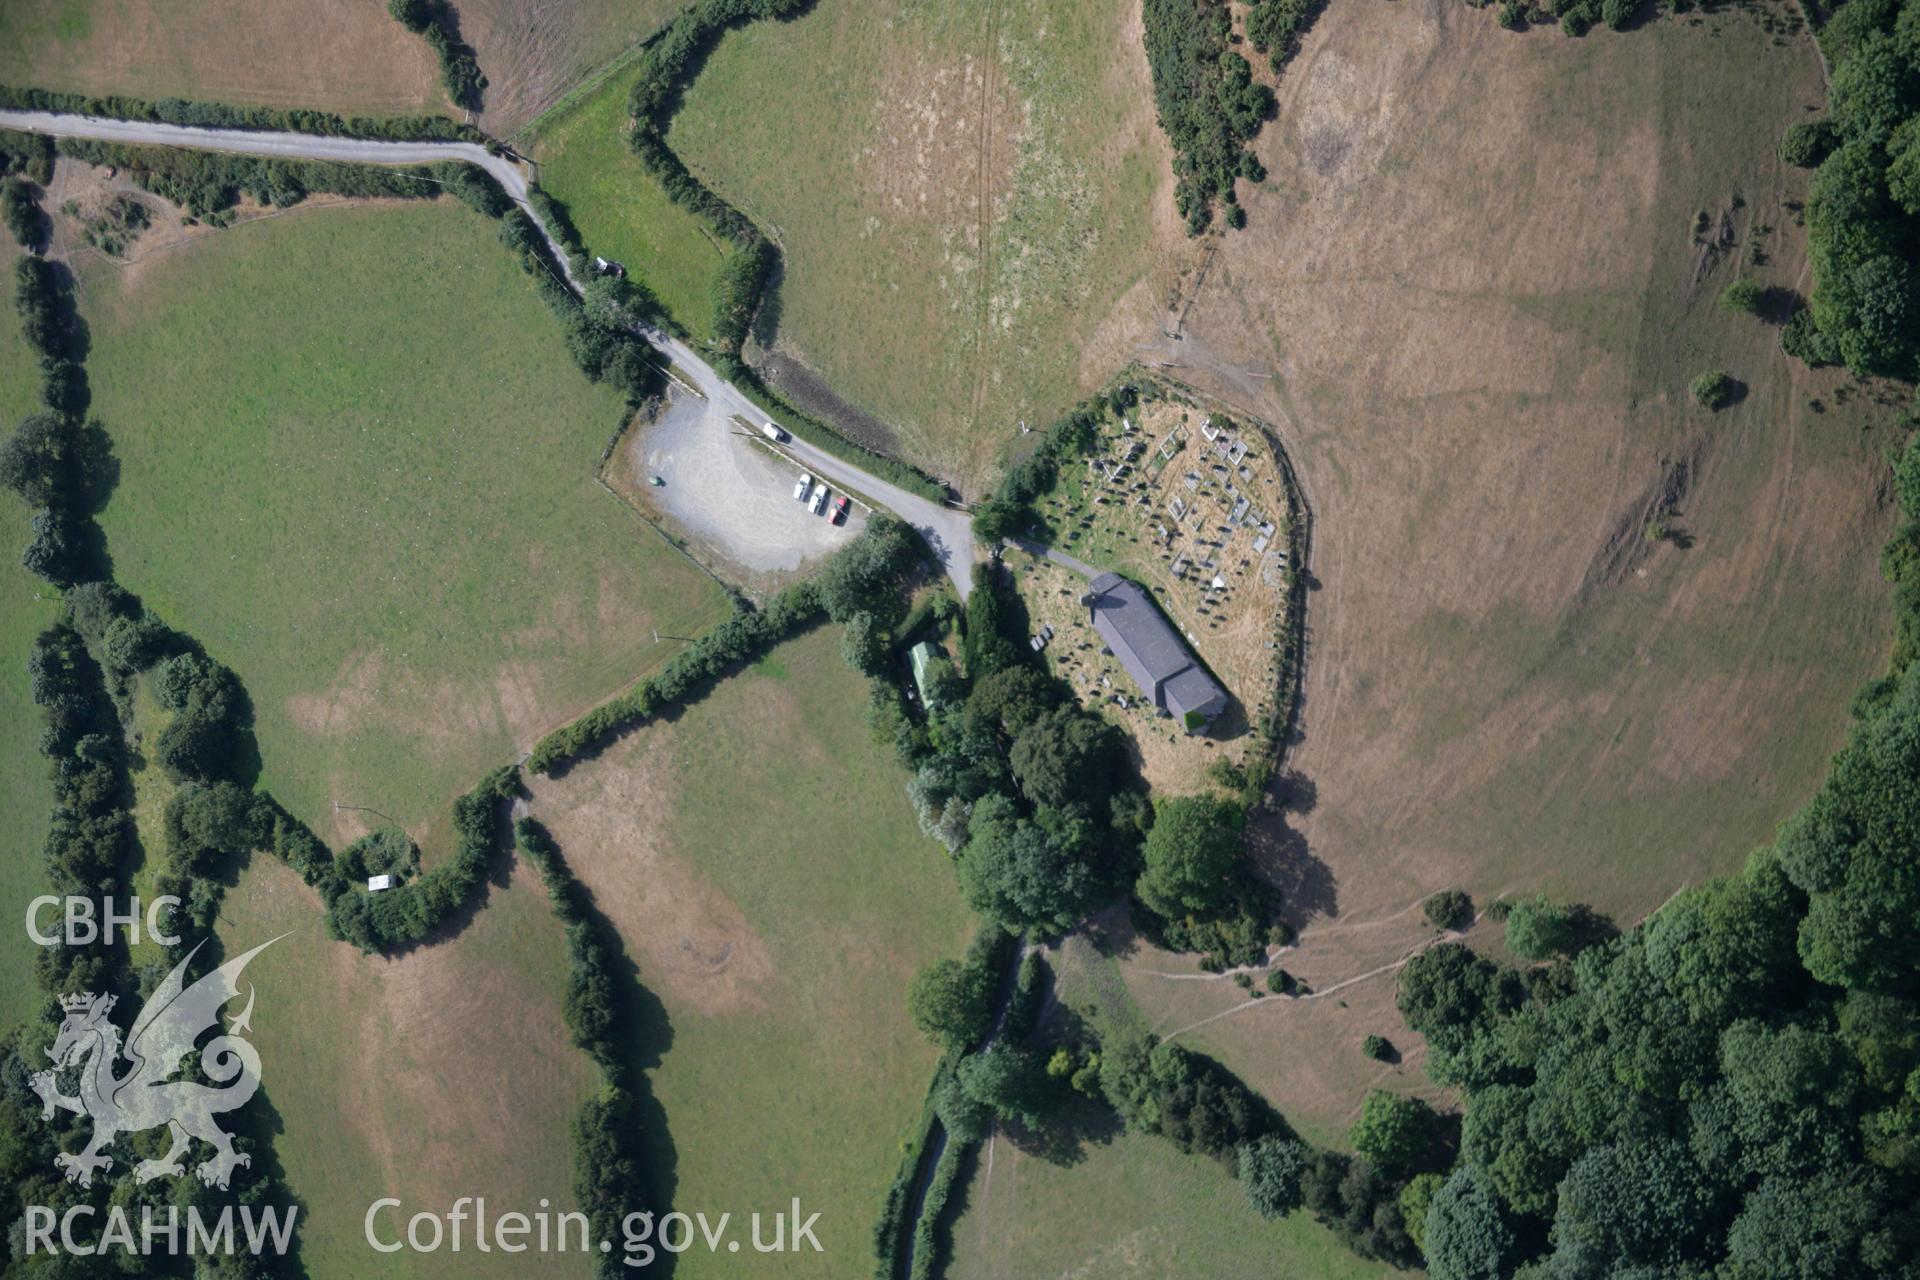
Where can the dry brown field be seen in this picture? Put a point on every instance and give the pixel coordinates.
(1471, 298)
(441, 1073)
(535, 52)
(348, 56)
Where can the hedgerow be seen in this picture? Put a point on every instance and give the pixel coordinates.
(870, 564)
(670, 63)
(816, 432)
(207, 183)
(30, 154)
(609, 1158)
(439, 24)
(389, 919)
(220, 115)
(79, 675)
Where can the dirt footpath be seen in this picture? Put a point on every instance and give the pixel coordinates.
(728, 492)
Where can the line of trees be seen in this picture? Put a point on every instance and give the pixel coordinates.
(208, 183)
(90, 832)
(79, 672)
(1209, 104)
(610, 1168)
(90, 838)
(598, 328)
(951, 1001)
(221, 115)
(439, 23)
(57, 461)
(1865, 201)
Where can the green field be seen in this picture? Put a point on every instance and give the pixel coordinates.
(1133, 1205)
(761, 860)
(1031, 117)
(26, 606)
(622, 213)
(444, 1073)
(356, 465)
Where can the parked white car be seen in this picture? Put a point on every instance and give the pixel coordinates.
(804, 489)
(819, 503)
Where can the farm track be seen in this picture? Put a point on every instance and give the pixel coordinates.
(949, 533)
(983, 222)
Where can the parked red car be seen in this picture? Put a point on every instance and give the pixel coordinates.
(840, 508)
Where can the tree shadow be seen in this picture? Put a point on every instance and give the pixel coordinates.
(1779, 304)
(1280, 855)
(1111, 933)
(1733, 391)
(1069, 1130)
(1590, 927)
(770, 309)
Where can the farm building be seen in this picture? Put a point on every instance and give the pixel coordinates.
(1153, 652)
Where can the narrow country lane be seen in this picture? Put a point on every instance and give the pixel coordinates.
(948, 531)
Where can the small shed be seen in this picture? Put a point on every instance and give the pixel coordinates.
(376, 883)
(918, 658)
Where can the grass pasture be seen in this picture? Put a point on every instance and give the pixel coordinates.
(962, 191)
(27, 606)
(1479, 342)
(347, 56)
(356, 465)
(1130, 1205)
(622, 213)
(444, 1073)
(759, 857)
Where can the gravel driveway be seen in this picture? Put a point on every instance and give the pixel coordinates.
(730, 493)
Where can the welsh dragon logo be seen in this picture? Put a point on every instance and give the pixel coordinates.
(145, 1097)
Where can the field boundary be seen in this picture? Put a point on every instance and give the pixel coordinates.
(219, 115)
(571, 98)
(671, 61)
